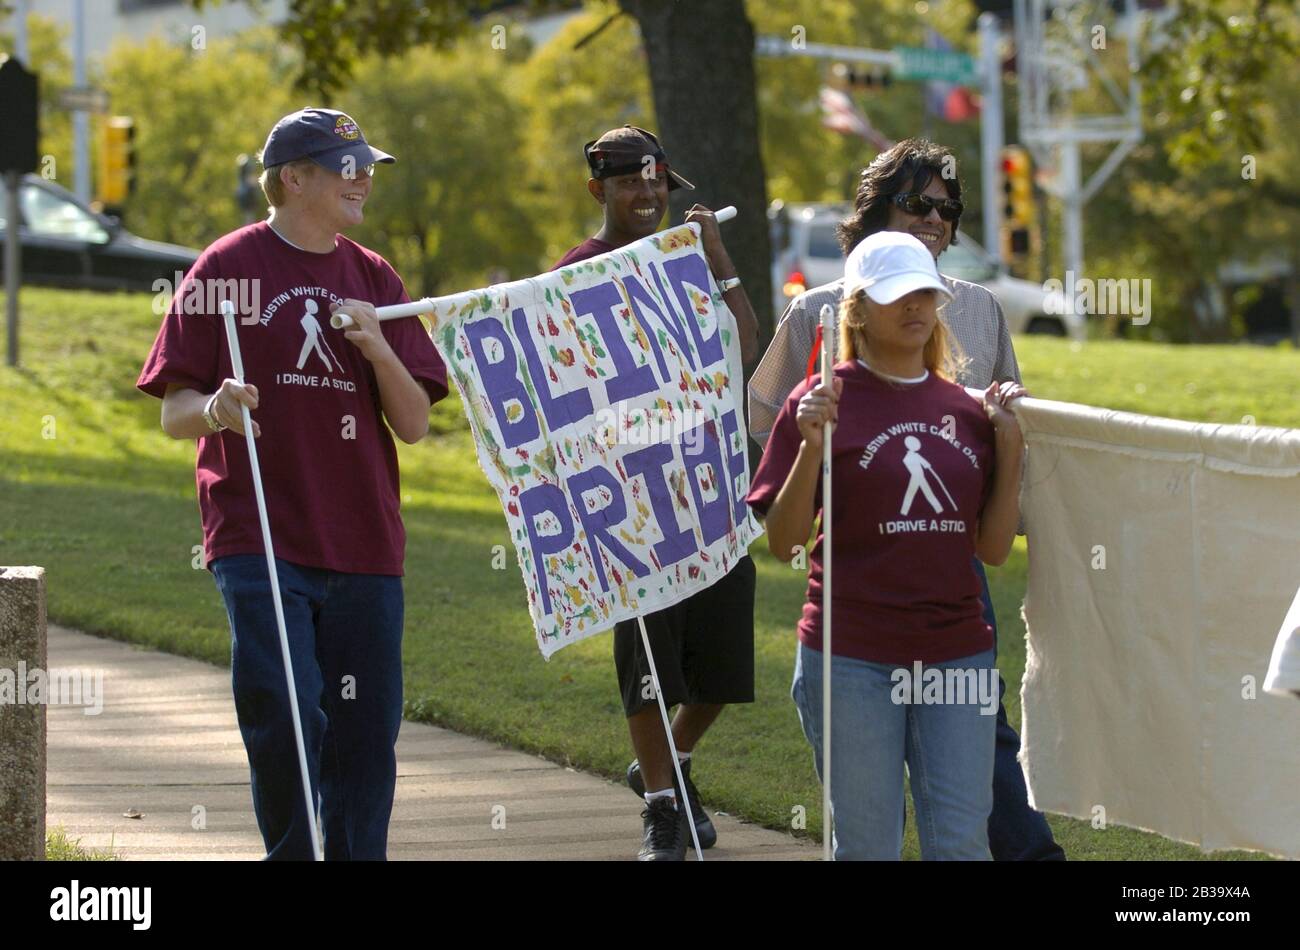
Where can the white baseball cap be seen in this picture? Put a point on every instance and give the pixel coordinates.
(889, 265)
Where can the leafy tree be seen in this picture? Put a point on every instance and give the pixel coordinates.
(445, 214)
(452, 213)
(1212, 72)
(196, 111)
(1212, 180)
(334, 36)
(569, 96)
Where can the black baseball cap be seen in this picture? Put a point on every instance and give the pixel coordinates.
(325, 136)
(622, 151)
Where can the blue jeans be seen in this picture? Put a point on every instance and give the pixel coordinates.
(1016, 831)
(345, 641)
(948, 748)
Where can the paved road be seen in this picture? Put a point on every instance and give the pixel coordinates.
(167, 745)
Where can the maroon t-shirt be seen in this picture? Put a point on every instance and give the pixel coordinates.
(328, 463)
(592, 247)
(911, 466)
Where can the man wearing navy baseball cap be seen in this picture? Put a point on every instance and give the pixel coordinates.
(330, 139)
(324, 402)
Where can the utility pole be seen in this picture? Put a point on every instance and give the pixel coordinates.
(80, 118)
(992, 137)
(19, 92)
(1056, 48)
(20, 30)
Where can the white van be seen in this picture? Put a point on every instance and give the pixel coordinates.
(806, 254)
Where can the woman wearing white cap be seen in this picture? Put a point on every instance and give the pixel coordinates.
(926, 476)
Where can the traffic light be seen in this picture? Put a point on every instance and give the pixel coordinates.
(1018, 212)
(18, 91)
(867, 79)
(117, 161)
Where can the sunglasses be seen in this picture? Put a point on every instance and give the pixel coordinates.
(950, 209)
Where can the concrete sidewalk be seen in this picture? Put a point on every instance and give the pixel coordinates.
(167, 746)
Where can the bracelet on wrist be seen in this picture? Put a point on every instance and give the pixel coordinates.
(209, 416)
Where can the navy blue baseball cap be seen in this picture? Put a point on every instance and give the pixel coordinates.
(325, 136)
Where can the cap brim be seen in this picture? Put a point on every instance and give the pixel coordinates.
(336, 159)
(631, 164)
(900, 285)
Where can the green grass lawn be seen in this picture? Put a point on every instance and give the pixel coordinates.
(92, 490)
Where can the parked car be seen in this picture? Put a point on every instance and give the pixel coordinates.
(66, 244)
(806, 254)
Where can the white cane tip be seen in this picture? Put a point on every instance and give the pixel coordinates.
(340, 321)
(227, 308)
(725, 214)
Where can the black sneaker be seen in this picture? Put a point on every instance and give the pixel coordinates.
(704, 829)
(665, 832)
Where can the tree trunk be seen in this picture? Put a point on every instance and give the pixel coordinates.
(702, 73)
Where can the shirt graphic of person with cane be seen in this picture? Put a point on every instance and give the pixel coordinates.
(918, 467)
(315, 339)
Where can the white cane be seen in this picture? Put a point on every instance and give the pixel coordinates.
(672, 746)
(828, 379)
(341, 320)
(723, 214)
(232, 337)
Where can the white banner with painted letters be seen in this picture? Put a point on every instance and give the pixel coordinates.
(604, 398)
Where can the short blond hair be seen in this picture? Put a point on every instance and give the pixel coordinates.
(273, 186)
(942, 356)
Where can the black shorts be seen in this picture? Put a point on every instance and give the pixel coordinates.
(703, 647)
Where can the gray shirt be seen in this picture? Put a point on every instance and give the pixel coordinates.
(974, 318)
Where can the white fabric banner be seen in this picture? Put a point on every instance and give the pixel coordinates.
(604, 398)
(1162, 555)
